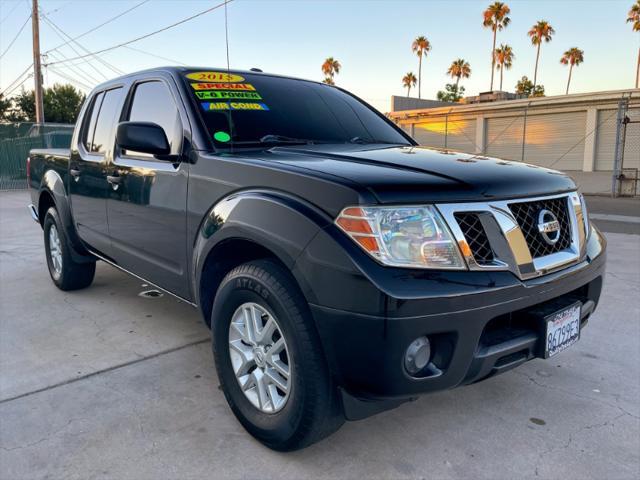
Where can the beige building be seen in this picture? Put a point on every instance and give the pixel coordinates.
(574, 133)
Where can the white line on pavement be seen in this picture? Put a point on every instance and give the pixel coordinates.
(614, 218)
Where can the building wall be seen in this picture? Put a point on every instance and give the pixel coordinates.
(570, 132)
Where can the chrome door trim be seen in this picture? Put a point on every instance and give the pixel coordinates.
(106, 260)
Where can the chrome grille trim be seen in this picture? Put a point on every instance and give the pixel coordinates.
(511, 250)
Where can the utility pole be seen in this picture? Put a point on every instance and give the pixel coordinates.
(37, 67)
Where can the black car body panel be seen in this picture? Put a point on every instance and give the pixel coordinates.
(397, 174)
(174, 221)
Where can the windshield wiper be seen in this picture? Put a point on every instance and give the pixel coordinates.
(365, 141)
(271, 138)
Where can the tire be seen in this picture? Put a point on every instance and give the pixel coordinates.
(65, 272)
(311, 409)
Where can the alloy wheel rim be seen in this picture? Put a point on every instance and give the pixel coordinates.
(260, 357)
(55, 249)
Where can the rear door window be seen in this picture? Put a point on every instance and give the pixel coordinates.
(90, 121)
(104, 130)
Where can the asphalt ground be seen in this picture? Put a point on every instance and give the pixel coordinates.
(104, 383)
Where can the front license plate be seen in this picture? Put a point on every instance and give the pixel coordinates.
(563, 330)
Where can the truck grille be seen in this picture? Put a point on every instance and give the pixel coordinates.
(506, 234)
(526, 214)
(476, 237)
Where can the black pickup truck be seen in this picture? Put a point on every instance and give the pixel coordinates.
(342, 268)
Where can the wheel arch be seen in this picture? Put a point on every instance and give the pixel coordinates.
(248, 226)
(54, 194)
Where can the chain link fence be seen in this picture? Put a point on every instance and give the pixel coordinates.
(626, 163)
(16, 139)
(595, 139)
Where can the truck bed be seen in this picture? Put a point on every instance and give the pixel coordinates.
(50, 152)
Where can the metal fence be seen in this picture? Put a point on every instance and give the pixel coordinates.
(596, 141)
(16, 139)
(626, 160)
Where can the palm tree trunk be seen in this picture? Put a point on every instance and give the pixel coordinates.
(569, 80)
(638, 69)
(493, 57)
(408, 90)
(457, 82)
(420, 76)
(535, 72)
(501, 72)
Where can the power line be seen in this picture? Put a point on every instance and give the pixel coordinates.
(77, 71)
(153, 55)
(58, 8)
(10, 12)
(7, 93)
(70, 79)
(151, 33)
(99, 26)
(56, 29)
(16, 37)
(17, 79)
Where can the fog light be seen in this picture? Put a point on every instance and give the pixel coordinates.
(417, 355)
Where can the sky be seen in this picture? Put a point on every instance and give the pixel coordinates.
(371, 39)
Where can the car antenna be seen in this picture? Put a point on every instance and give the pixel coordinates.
(226, 38)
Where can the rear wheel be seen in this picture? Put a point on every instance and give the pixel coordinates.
(269, 360)
(65, 272)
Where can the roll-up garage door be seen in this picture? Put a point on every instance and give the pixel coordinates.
(556, 140)
(632, 144)
(461, 134)
(606, 139)
(430, 132)
(504, 137)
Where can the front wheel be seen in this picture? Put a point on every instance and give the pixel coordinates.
(269, 360)
(65, 272)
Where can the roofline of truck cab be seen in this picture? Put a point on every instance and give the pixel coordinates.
(173, 70)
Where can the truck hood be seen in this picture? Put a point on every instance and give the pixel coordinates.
(408, 174)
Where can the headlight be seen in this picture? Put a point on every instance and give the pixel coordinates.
(414, 237)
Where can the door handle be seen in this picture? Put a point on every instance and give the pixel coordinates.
(75, 173)
(114, 180)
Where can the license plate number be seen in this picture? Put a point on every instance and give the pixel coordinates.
(563, 330)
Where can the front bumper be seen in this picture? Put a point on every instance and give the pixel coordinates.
(480, 324)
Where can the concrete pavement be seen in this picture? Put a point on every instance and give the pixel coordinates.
(103, 383)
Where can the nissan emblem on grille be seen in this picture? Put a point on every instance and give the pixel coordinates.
(548, 226)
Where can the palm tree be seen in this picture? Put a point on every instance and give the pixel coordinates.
(459, 68)
(330, 68)
(633, 17)
(573, 56)
(408, 81)
(495, 17)
(504, 57)
(420, 47)
(541, 31)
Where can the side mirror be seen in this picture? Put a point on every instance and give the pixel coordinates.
(144, 137)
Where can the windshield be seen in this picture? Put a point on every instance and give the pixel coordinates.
(251, 109)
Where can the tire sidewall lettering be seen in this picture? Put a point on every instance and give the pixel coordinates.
(250, 284)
